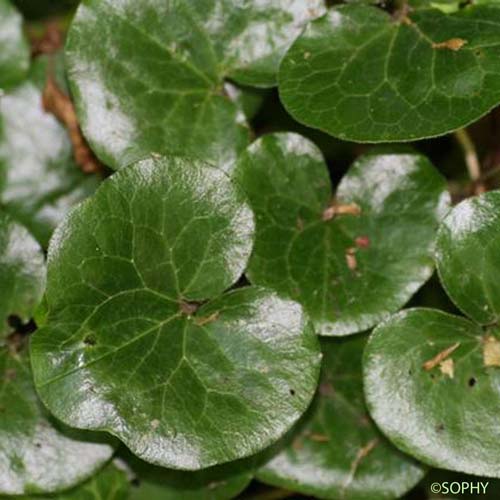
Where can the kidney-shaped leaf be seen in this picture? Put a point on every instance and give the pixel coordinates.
(352, 260)
(336, 451)
(110, 483)
(431, 384)
(14, 49)
(222, 482)
(39, 181)
(22, 273)
(36, 454)
(151, 79)
(468, 258)
(126, 349)
(359, 74)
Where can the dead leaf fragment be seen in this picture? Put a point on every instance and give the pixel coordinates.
(362, 242)
(451, 44)
(188, 308)
(340, 209)
(207, 319)
(318, 438)
(55, 101)
(447, 367)
(491, 351)
(215, 484)
(350, 258)
(436, 360)
(362, 453)
(366, 450)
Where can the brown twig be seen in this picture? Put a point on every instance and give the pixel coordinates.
(55, 101)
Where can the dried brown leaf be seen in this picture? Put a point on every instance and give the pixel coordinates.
(451, 44)
(491, 351)
(436, 360)
(55, 101)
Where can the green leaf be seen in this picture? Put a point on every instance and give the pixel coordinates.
(162, 88)
(337, 452)
(125, 348)
(348, 271)
(111, 483)
(39, 180)
(221, 482)
(358, 74)
(446, 6)
(37, 455)
(14, 49)
(418, 366)
(467, 256)
(22, 272)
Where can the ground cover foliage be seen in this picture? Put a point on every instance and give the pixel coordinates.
(249, 249)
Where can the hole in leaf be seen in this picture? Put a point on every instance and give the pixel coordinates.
(16, 323)
(292, 392)
(472, 382)
(90, 340)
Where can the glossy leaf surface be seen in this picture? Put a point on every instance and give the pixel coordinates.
(215, 483)
(468, 259)
(349, 271)
(125, 348)
(359, 74)
(39, 180)
(162, 88)
(22, 273)
(110, 483)
(336, 450)
(14, 49)
(429, 390)
(37, 454)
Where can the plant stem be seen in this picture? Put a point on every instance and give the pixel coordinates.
(469, 149)
(490, 173)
